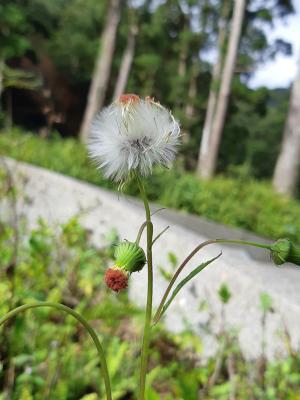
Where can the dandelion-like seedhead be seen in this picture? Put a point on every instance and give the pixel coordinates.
(133, 134)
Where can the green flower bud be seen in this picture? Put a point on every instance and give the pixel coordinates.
(130, 257)
(285, 251)
(294, 255)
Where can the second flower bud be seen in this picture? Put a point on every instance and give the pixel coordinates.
(129, 258)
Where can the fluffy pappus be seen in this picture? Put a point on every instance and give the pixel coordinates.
(133, 134)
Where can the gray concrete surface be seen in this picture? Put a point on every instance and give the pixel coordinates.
(56, 198)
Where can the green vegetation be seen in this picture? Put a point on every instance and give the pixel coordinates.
(237, 201)
(51, 357)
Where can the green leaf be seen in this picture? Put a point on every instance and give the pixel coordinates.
(22, 359)
(116, 356)
(173, 259)
(165, 274)
(186, 280)
(90, 396)
(265, 301)
(224, 293)
(151, 394)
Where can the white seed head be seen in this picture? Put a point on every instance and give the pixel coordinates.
(133, 135)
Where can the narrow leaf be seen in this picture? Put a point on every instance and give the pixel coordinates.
(186, 280)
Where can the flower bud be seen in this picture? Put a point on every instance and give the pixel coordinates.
(285, 251)
(116, 279)
(130, 257)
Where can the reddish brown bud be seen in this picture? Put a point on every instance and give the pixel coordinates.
(128, 98)
(116, 279)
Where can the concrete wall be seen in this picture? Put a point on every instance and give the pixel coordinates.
(56, 198)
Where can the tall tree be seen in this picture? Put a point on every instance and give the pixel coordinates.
(287, 169)
(192, 90)
(208, 160)
(127, 58)
(1, 76)
(213, 92)
(100, 79)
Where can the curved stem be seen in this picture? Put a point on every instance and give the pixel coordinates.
(140, 232)
(143, 226)
(83, 322)
(175, 276)
(194, 252)
(148, 316)
(160, 234)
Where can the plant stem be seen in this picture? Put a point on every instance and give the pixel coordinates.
(83, 322)
(143, 226)
(148, 316)
(244, 242)
(140, 232)
(160, 234)
(195, 251)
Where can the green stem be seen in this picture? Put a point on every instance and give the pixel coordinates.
(148, 316)
(140, 232)
(160, 234)
(174, 278)
(195, 251)
(80, 319)
(143, 226)
(245, 243)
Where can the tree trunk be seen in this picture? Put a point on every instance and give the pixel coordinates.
(211, 106)
(8, 117)
(102, 69)
(214, 88)
(287, 167)
(126, 63)
(192, 92)
(1, 79)
(181, 70)
(217, 107)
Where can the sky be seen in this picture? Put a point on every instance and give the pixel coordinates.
(281, 71)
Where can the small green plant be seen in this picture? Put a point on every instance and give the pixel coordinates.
(224, 293)
(165, 273)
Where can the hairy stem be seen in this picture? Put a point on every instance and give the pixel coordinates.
(148, 316)
(83, 322)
